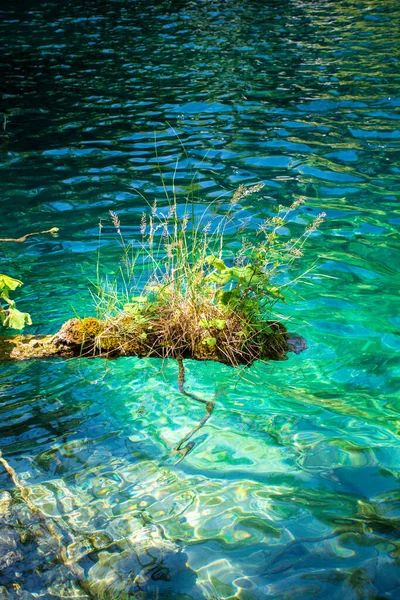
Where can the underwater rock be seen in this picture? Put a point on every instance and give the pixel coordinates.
(129, 558)
(153, 566)
(28, 557)
(296, 343)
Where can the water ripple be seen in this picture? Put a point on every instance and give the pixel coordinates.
(291, 490)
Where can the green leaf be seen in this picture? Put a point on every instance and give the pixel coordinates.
(17, 319)
(9, 283)
(220, 278)
(134, 309)
(139, 299)
(215, 262)
(244, 274)
(136, 305)
(131, 308)
(218, 323)
(274, 291)
(210, 341)
(227, 297)
(250, 274)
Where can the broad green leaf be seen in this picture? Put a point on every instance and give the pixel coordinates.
(249, 274)
(17, 319)
(215, 262)
(220, 278)
(210, 341)
(218, 323)
(274, 291)
(9, 283)
(227, 297)
(244, 274)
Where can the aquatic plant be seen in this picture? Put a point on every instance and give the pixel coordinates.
(202, 283)
(9, 314)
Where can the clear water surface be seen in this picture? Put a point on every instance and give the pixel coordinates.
(292, 488)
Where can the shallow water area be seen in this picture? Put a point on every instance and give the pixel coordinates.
(291, 490)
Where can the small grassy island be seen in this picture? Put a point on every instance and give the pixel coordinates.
(91, 337)
(198, 286)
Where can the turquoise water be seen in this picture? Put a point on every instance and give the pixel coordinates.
(292, 488)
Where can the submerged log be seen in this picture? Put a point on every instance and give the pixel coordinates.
(92, 337)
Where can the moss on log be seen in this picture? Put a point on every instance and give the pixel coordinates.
(122, 336)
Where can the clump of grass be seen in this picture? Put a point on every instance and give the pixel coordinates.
(200, 284)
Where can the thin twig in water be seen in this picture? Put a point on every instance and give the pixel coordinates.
(23, 238)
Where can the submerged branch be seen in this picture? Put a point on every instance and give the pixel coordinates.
(184, 450)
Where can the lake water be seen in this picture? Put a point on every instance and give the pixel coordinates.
(292, 489)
